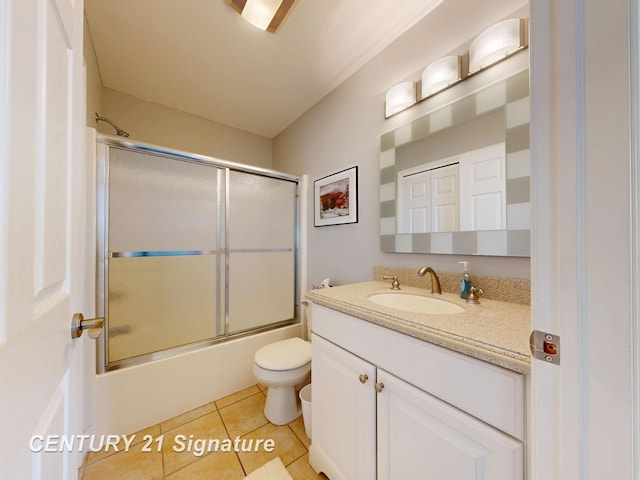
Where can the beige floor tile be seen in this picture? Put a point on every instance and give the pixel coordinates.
(287, 447)
(234, 397)
(177, 453)
(237, 415)
(132, 465)
(301, 470)
(187, 417)
(97, 456)
(138, 437)
(143, 435)
(214, 466)
(298, 428)
(244, 416)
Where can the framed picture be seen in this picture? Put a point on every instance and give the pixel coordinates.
(336, 198)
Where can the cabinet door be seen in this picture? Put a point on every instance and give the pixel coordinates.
(343, 413)
(420, 436)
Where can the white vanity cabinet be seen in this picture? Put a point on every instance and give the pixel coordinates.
(420, 436)
(389, 406)
(343, 412)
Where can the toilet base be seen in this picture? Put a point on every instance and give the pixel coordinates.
(282, 405)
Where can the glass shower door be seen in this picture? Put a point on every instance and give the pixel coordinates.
(261, 234)
(192, 251)
(164, 254)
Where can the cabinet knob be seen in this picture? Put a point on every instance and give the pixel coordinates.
(379, 386)
(364, 378)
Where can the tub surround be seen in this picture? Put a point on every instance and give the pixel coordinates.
(512, 290)
(494, 331)
(130, 399)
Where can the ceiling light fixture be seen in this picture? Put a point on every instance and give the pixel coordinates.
(496, 43)
(267, 15)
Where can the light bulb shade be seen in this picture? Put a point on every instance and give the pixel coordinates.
(260, 12)
(441, 74)
(399, 97)
(496, 43)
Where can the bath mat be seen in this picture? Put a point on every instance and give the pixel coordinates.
(272, 470)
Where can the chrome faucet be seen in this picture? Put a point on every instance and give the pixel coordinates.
(435, 281)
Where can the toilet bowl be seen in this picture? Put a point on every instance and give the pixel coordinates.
(281, 366)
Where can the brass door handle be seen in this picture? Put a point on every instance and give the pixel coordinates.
(79, 324)
(379, 386)
(363, 378)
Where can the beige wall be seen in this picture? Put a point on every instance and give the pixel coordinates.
(94, 82)
(343, 130)
(156, 124)
(167, 127)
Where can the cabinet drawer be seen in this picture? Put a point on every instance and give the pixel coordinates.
(489, 393)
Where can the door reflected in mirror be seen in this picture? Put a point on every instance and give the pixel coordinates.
(465, 192)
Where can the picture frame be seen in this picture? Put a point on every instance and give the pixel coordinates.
(336, 198)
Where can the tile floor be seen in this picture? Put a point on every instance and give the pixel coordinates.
(239, 414)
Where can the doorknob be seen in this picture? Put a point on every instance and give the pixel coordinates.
(79, 324)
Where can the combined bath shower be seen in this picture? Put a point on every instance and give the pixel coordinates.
(119, 131)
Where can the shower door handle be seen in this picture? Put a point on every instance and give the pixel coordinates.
(79, 324)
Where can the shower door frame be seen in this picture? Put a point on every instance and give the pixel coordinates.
(103, 145)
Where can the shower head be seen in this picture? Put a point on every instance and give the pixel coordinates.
(119, 131)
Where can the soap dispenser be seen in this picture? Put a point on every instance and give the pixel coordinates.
(465, 281)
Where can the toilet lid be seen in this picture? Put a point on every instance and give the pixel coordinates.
(284, 355)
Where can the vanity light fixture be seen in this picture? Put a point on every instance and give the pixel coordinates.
(493, 45)
(496, 43)
(440, 75)
(399, 97)
(267, 15)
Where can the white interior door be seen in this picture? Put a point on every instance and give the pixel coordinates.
(42, 240)
(445, 199)
(583, 421)
(483, 189)
(415, 208)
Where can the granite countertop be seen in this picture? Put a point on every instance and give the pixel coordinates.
(496, 332)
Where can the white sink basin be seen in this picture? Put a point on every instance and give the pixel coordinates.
(415, 303)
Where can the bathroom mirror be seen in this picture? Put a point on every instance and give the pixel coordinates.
(456, 181)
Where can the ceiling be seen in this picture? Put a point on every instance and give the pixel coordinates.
(201, 57)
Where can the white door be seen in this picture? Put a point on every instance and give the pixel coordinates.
(42, 237)
(583, 421)
(429, 198)
(343, 401)
(483, 189)
(415, 198)
(445, 199)
(420, 436)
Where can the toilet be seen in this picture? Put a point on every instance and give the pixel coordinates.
(282, 366)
